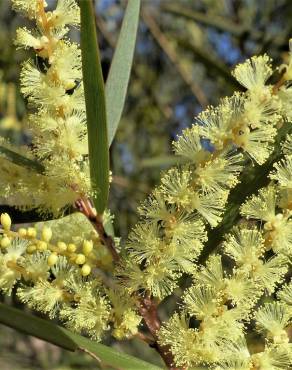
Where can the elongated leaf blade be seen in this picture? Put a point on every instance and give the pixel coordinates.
(95, 107)
(64, 338)
(119, 74)
(20, 160)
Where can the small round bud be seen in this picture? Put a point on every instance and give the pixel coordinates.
(5, 221)
(31, 249)
(70, 84)
(80, 259)
(62, 246)
(42, 246)
(5, 242)
(47, 234)
(85, 270)
(31, 232)
(22, 232)
(52, 259)
(71, 248)
(87, 247)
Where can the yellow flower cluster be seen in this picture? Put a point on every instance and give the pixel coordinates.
(53, 87)
(242, 129)
(61, 279)
(224, 301)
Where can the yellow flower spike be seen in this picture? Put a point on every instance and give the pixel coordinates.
(62, 246)
(22, 232)
(5, 242)
(47, 234)
(5, 221)
(42, 246)
(31, 249)
(31, 232)
(71, 248)
(87, 247)
(85, 270)
(52, 259)
(80, 259)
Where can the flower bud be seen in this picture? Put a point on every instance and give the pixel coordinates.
(47, 234)
(52, 259)
(31, 232)
(22, 232)
(5, 221)
(80, 259)
(62, 246)
(87, 247)
(85, 270)
(42, 246)
(5, 242)
(71, 248)
(30, 249)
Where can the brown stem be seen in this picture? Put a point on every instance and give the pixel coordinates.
(145, 338)
(106, 239)
(148, 310)
(85, 206)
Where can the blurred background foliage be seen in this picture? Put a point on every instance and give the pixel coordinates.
(184, 53)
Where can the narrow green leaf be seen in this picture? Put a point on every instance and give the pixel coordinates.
(64, 338)
(119, 74)
(95, 107)
(20, 160)
(36, 327)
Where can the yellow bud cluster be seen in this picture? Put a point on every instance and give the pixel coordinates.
(82, 256)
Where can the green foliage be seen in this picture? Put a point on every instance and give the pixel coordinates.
(61, 337)
(119, 74)
(95, 108)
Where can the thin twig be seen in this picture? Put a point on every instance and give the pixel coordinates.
(169, 50)
(85, 206)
